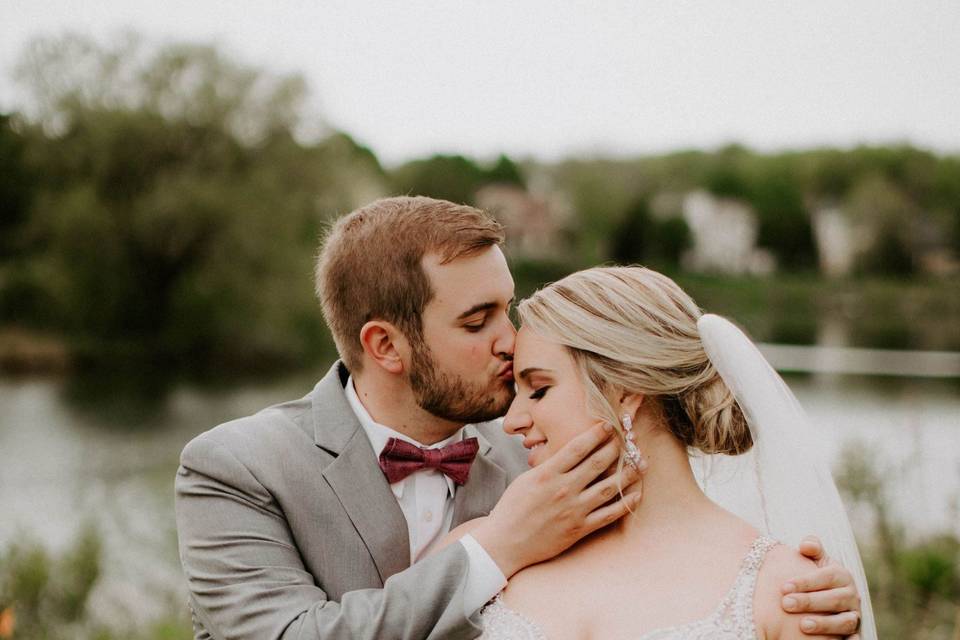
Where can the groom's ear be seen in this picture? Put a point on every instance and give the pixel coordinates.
(384, 345)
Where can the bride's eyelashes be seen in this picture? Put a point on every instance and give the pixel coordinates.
(539, 393)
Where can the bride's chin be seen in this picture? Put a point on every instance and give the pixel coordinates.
(537, 455)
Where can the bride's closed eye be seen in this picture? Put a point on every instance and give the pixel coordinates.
(539, 393)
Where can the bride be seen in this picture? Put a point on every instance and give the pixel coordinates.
(626, 345)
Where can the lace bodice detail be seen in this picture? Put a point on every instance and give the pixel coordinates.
(731, 620)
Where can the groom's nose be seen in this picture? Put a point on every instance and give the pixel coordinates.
(506, 338)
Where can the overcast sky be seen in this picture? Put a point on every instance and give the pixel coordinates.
(562, 77)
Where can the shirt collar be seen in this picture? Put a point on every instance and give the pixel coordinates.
(378, 435)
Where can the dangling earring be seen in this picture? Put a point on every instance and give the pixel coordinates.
(632, 453)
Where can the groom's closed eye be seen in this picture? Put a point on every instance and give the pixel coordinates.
(476, 325)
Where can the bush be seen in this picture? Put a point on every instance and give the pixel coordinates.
(914, 585)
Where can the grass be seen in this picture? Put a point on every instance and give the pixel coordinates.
(45, 596)
(914, 584)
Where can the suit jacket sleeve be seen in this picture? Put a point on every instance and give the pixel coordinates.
(247, 580)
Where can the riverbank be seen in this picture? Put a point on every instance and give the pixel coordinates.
(25, 351)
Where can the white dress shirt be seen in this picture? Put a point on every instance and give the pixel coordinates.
(426, 500)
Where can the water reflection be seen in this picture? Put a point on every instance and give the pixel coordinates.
(119, 398)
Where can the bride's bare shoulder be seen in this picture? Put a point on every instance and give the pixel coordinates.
(781, 564)
(550, 594)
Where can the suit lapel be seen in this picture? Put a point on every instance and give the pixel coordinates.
(484, 487)
(356, 478)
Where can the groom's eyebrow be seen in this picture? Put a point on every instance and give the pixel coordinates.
(483, 306)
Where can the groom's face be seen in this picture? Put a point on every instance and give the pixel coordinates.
(464, 371)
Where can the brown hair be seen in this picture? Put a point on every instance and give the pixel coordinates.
(369, 265)
(632, 329)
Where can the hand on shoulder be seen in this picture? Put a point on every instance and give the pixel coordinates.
(781, 564)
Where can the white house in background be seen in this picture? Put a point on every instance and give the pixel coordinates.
(724, 233)
(835, 238)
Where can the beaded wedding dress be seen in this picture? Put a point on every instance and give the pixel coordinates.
(731, 620)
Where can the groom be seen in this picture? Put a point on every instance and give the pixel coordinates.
(313, 518)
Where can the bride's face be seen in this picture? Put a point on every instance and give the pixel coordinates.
(549, 408)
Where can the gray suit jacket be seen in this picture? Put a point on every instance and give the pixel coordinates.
(288, 529)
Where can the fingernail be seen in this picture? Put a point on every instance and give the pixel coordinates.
(789, 604)
(808, 624)
(608, 427)
(788, 587)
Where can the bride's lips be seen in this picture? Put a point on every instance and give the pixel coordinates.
(534, 447)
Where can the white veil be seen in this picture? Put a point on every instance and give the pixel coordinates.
(783, 486)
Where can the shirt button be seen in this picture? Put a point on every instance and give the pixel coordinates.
(427, 515)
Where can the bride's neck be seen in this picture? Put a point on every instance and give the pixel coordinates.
(671, 495)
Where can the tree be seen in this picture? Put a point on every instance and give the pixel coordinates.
(785, 226)
(16, 187)
(883, 213)
(505, 171)
(179, 214)
(643, 239)
(454, 178)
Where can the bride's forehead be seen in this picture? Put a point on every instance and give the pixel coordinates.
(531, 345)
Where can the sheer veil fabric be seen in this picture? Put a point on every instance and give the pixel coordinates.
(783, 486)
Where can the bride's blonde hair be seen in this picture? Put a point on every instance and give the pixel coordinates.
(630, 329)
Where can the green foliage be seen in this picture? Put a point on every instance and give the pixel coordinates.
(175, 213)
(16, 188)
(600, 192)
(49, 594)
(902, 200)
(454, 178)
(933, 568)
(505, 171)
(643, 239)
(882, 209)
(785, 226)
(160, 202)
(728, 176)
(78, 572)
(914, 585)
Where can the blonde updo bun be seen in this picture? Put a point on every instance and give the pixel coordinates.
(632, 329)
(711, 421)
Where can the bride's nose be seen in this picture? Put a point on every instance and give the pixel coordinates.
(517, 419)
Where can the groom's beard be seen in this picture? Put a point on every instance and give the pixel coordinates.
(452, 398)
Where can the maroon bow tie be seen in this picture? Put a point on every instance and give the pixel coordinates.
(400, 458)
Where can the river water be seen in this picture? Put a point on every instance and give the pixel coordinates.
(76, 452)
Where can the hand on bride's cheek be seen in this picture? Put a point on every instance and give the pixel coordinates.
(550, 407)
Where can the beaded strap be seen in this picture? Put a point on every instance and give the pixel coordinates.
(503, 623)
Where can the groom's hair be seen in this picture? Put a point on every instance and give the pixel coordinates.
(369, 264)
